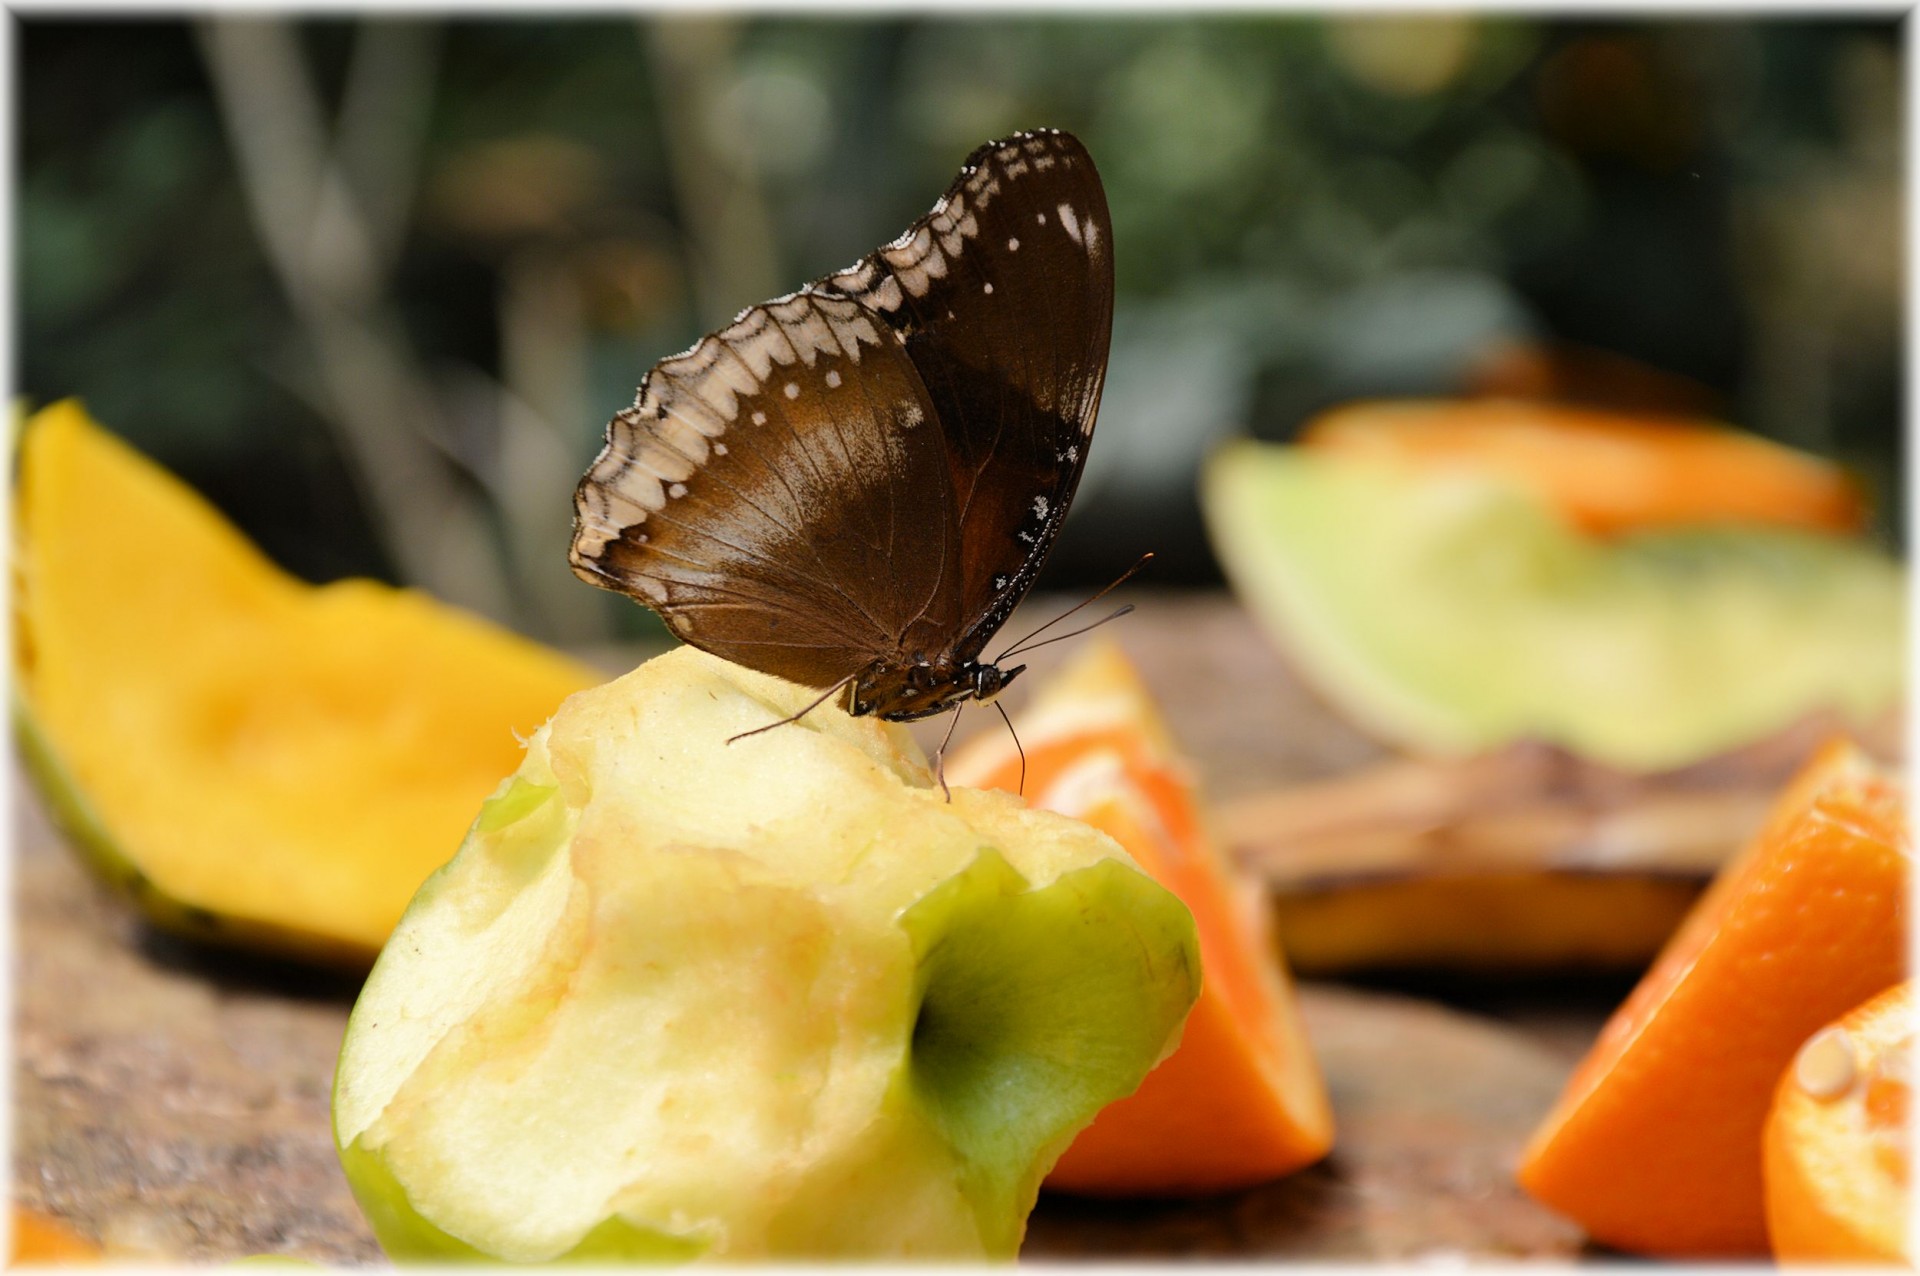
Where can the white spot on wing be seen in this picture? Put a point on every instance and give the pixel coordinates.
(1039, 507)
(913, 279)
(909, 249)
(988, 289)
(854, 332)
(717, 394)
(1013, 245)
(758, 356)
(807, 329)
(792, 390)
(857, 277)
(1070, 223)
(736, 377)
(780, 348)
(833, 379)
(983, 186)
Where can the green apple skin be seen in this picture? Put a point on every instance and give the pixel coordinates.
(680, 998)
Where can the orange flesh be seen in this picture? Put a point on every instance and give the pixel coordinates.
(1889, 1115)
(1652, 1145)
(1241, 1100)
(1837, 1164)
(1608, 472)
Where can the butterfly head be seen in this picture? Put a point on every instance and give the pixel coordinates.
(990, 680)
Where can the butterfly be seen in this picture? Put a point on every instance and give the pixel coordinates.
(852, 486)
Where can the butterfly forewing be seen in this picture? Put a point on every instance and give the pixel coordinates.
(779, 494)
(1004, 296)
(868, 474)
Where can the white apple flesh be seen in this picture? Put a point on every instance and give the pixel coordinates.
(681, 998)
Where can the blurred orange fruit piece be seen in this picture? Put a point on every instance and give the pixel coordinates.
(1836, 1157)
(41, 1239)
(1655, 1144)
(1608, 472)
(1242, 1100)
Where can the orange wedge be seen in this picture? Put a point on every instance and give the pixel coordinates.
(1241, 1101)
(1608, 472)
(40, 1239)
(1836, 1158)
(1655, 1145)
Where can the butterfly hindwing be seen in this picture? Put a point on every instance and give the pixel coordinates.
(779, 494)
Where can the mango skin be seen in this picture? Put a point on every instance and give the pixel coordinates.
(774, 999)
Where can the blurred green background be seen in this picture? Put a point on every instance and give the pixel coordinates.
(376, 286)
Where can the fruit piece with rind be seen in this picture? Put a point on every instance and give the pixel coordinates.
(1452, 612)
(1837, 1160)
(778, 998)
(251, 759)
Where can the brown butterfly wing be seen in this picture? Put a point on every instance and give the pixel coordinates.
(875, 467)
(781, 495)
(1004, 297)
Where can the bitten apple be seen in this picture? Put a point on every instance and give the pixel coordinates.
(676, 997)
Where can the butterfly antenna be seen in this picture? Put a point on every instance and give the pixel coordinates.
(1071, 633)
(1016, 745)
(940, 755)
(1121, 580)
(825, 696)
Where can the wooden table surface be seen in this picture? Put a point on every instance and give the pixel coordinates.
(172, 1101)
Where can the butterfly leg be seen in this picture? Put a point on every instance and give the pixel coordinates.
(1016, 745)
(940, 755)
(825, 696)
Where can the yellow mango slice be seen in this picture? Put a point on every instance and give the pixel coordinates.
(253, 758)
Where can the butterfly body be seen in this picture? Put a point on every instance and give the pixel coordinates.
(907, 692)
(854, 485)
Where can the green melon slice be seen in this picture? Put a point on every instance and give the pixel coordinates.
(1448, 613)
